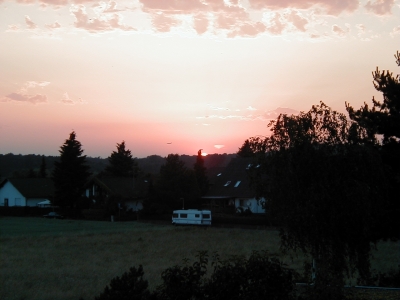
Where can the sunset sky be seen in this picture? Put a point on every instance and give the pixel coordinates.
(176, 76)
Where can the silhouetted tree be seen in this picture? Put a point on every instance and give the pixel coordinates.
(31, 173)
(326, 189)
(43, 168)
(70, 173)
(176, 184)
(384, 117)
(200, 173)
(121, 163)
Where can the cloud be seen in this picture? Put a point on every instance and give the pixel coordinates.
(102, 22)
(251, 108)
(55, 25)
(19, 97)
(164, 23)
(200, 23)
(340, 31)
(66, 99)
(29, 23)
(219, 146)
(13, 28)
(331, 7)
(380, 7)
(395, 31)
(276, 25)
(298, 21)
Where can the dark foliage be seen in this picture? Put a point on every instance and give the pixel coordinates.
(258, 277)
(176, 186)
(130, 286)
(70, 173)
(390, 279)
(326, 189)
(43, 168)
(121, 163)
(200, 172)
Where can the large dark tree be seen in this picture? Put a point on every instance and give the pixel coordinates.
(177, 185)
(121, 162)
(200, 172)
(43, 168)
(382, 123)
(70, 173)
(384, 117)
(326, 189)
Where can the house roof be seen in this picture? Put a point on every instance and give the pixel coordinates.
(233, 181)
(123, 186)
(32, 187)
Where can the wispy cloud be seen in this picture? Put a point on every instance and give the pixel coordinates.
(66, 99)
(19, 97)
(29, 23)
(101, 22)
(380, 7)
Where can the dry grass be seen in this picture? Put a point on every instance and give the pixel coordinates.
(62, 259)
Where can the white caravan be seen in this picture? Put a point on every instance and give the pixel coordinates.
(191, 217)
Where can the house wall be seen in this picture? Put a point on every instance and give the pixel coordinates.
(252, 203)
(15, 198)
(34, 201)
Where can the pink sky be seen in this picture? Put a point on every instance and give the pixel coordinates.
(194, 73)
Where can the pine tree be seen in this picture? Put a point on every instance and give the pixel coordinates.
(43, 167)
(121, 163)
(70, 173)
(200, 173)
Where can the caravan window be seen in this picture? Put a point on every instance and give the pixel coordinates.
(175, 215)
(206, 216)
(197, 215)
(183, 215)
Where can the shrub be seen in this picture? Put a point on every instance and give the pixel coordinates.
(130, 286)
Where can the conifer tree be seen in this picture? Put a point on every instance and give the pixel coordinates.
(121, 163)
(200, 173)
(70, 173)
(43, 167)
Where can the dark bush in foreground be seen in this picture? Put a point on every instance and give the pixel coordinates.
(258, 277)
(130, 286)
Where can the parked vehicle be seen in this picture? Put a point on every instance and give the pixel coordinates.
(53, 215)
(191, 217)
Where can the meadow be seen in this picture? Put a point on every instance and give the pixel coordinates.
(68, 259)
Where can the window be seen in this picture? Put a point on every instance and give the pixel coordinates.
(183, 215)
(227, 183)
(197, 215)
(237, 183)
(206, 216)
(175, 216)
(219, 174)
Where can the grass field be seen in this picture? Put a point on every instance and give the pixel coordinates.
(67, 259)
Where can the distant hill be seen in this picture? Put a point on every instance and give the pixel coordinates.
(17, 164)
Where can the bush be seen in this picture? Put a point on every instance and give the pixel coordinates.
(131, 286)
(390, 279)
(258, 277)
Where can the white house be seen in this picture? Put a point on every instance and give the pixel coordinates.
(231, 191)
(25, 191)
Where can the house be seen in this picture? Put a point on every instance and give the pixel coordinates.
(230, 190)
(131, 192)
(25, 191)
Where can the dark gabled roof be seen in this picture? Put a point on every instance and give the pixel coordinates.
(233, 181)
(32, 187)
(122, 186)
